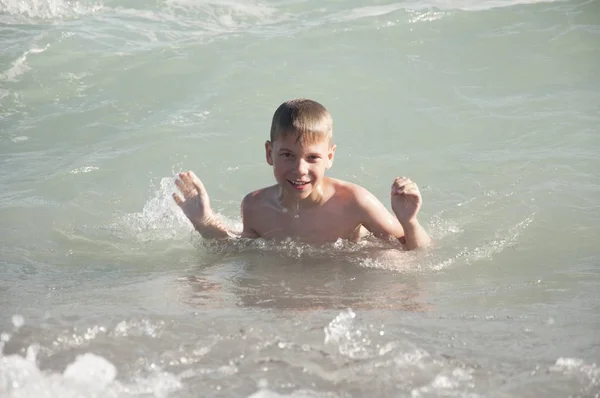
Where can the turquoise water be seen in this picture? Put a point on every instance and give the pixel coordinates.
(492, 107)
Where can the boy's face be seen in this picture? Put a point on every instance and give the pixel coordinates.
(299, 168)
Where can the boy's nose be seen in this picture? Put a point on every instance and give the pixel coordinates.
(302, 167)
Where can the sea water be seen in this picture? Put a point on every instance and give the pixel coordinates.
(491, 106)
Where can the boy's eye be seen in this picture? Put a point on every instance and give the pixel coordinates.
(286, 154)
(314, 158)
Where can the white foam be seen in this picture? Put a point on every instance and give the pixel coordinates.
(48, 9)
(138, 328)
(578, 367)
(266, 393)
(91, 369)
(478, 5)
(472, 5)
(85, 169)
(247, 8)
(369, 11)
(427, 16)
(446, 382)
(223, 15)
(88, 375)
(393, 14)
(16, 373)
(418, 12)
(18, 68)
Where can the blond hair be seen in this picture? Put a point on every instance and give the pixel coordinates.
(304, 118)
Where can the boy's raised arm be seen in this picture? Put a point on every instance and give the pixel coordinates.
(406, 203)
(196, 206)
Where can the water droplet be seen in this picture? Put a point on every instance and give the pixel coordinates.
(18, 321)
(262, 383)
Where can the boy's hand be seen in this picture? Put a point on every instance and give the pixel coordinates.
(406, 200)
(195, 203)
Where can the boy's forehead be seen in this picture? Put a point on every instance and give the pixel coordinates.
(292, 143)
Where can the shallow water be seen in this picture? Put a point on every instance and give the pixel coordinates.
(492, 107)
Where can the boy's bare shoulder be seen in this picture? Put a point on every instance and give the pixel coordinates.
(349, 190)
(260, 196)
(359, 198)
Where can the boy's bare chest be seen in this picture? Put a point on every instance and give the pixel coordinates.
(310, 227)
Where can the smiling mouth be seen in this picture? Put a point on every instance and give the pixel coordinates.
(299, 184)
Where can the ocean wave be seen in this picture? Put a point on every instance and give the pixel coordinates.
(231, 15)
(20, 66)
(471, 5)
(48, 9)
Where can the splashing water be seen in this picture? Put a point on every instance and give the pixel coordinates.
(88, 375)
(160, 218)
(349, 341)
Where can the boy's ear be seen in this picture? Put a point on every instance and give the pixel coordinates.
(331, 155)
(269, 152)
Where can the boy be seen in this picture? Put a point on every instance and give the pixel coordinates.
(305, 205)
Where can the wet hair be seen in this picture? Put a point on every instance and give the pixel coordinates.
(308, 120)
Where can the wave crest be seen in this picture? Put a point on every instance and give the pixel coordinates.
(48, 9)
